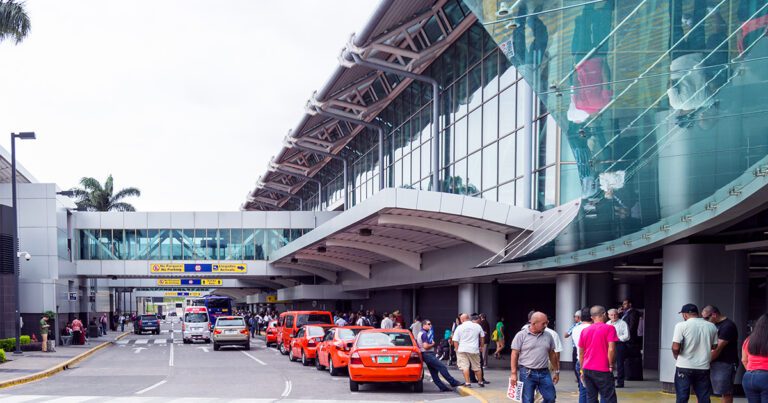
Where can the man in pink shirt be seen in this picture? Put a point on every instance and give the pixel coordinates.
(597, 349)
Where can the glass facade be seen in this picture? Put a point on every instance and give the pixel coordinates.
(660, 103)
(182, 244)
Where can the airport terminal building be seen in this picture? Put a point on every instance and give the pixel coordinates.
(472, 156)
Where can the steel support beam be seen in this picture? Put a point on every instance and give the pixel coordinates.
(333, 156)
(410, 259)
(326, 274)
(359, 268)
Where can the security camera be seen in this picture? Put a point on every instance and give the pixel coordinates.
(25, 255)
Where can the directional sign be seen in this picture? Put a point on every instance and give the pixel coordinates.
(189, 281)
(271, 298)
(183, 294)
(198, 268)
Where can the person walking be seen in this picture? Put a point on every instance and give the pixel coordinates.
(692, 342)
(597, 352)
(121, 319)
(486, 339)
(574, 352)
(755, 359)
(468, 339)
(44, 327)
(622, 332)
(426, 340)
(725, 357)
(77, 332)
(416, 326)
(103, 322)
(586, 321)
(499, 332)
(533, 350)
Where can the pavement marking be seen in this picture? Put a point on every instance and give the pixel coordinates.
(161, 341)
(151, 387)
(122, 342)
(254, 358)
(137, 350)
(141, 341)
(287, 390)
(170, 359)
(205, 349)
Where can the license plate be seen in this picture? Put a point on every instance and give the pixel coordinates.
(384, 359)
(231, 332)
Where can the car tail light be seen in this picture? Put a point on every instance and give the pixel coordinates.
(355, 359)
(217, 331)
(244, 331)
(311, 342)
(415, 358)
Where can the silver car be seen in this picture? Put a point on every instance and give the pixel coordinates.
(231, 331)
(195, 325)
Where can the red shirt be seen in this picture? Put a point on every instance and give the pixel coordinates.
(77, 326)
(754, 362)
(594, 341)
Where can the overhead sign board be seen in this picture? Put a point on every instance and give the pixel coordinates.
(183, 294)
(233, 268)
(190, 281)
(271, 299)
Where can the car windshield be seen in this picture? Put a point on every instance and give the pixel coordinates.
(376, 339)
(218, 303)
(230, 322)
(348, 334)
(314, 331)
(148, 317)
(196, 317)
(313, 319)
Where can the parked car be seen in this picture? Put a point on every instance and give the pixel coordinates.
(292, 321)
(272, 329)
(195, 325)
(147, 323)
(385, 355)
(333, 351)
(231, 331)
(305, 343)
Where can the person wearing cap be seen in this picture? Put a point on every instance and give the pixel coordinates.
(692, 344)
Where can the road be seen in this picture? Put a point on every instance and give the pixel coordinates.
(161, 368)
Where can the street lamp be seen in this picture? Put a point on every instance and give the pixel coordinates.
(14, 136)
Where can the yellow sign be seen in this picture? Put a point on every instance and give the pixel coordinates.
(169, 281)
(166, 267)
(230, 268)
(271, 298)
(190, 281)
(211, 281)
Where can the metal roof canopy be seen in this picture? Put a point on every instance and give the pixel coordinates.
(402, 224)
(22, 175)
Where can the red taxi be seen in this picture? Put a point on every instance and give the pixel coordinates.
(290, 322)
(333, 351)
(385, 355)
(304, 344)
(271, 332)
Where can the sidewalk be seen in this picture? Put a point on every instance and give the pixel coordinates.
(36, 364)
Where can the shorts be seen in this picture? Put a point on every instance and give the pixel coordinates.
(466, 361)
(721, 374)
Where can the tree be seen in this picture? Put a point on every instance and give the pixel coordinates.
(14, 21)
(93, 197)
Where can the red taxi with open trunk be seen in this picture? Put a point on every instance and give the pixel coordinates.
(333, 351)
(385, 355)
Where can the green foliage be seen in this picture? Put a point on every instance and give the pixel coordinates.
(14, 21)
(24, 339)
(9, 344)
(92, 196)
(2, 355)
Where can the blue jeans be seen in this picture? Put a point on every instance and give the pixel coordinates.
(755, 385)
(698, 379)
(437, 368)
(540, 379)
(600, 384)
(582, 389)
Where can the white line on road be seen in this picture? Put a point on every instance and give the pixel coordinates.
(141, 341)
(122, 341)
(287, 390)
(254, 358)
(161, 341)
(137, 350)
(151, 387)
(170, 359)
(205, 349)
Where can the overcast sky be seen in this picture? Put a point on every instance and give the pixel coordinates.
(186, 100)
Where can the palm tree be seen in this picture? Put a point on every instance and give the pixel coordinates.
(14, 21)
(93, 197)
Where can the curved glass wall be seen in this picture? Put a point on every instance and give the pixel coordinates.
(661, 102)
(182, 244)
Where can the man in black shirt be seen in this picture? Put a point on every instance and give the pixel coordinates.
(725, 356)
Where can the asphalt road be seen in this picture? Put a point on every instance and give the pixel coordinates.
(161, 368)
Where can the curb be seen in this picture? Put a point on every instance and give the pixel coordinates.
(464, 391)
(58, 367)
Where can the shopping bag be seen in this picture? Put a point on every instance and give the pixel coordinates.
(515, 391)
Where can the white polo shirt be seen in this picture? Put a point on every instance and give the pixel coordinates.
(696, 337)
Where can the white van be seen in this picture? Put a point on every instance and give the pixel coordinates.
(195, 325)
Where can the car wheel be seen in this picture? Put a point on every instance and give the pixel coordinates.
(290, 355)
(353, 386)
(418, 387)
(247, 345)
(216, 347)
(331, 369)
(207, 341)
(304, 360)
(186, 341)
(282, 349)
(318, 366)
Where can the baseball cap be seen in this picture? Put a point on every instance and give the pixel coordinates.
(689, 308)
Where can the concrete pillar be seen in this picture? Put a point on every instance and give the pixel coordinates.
(622, 291)
(568, 292)
(600, 289)
(488, 301)
(468, 298)
(703, 275)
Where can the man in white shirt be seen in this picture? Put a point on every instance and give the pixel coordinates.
(622, 331)
(468, 341)
(387, 322)
(586, 321)
(692, 344)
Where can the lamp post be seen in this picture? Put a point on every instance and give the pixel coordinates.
(14, 136)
